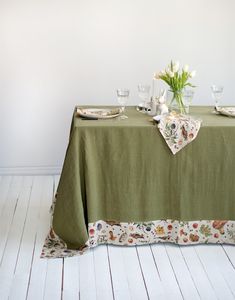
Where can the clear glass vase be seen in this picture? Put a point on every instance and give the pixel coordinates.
(175, 101)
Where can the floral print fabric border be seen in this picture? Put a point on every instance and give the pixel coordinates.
(178, 130)
(129, 234)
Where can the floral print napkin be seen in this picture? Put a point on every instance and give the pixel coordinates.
(178, 130)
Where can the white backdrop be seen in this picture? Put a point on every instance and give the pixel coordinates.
(60, 53)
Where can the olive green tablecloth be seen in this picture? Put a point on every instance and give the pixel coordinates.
(122, 170)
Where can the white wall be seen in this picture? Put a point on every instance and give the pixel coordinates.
(56, 54)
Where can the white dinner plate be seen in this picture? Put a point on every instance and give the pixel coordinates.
(226, 111)
(98, 113)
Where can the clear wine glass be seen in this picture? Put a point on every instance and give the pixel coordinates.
(122, 97)
(188, 96)
(217, 91)
(143, 91)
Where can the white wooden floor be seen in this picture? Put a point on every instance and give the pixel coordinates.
(147, 272)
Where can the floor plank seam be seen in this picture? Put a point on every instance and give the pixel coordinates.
(10, 225)
(228, 284)
(174, 272)
(22, 234)
(189, 272)
(127, 279)
(62, 280)
(93, 257)
(110, 272)
(45, 280)
(155, 263)
(7, 193)
(142, 273)
(31, 265)
(228, 257)
(203, 266)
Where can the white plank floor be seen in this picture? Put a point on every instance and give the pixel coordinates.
(106, 272)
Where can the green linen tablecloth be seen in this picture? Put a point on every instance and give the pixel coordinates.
(122, 170)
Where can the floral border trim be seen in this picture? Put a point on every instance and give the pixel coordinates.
(129, 234)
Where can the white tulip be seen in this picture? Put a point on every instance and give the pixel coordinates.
(192, 74)
(168, 69)
(176, 66)
(157, 75)
(163, 72)
(185, 68)
(171, 74)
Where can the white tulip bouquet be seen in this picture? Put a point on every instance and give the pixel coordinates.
(177, 80)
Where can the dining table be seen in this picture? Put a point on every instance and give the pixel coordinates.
(120, 184)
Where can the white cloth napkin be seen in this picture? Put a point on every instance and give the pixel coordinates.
(178, 130)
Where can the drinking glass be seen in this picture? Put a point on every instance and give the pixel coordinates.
(217, 91)
(143, 91)
(188, 96)
(122, 97)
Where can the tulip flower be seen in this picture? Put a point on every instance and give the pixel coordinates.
(192, 74)
(185, 68)
(157, 75)
(176, 66)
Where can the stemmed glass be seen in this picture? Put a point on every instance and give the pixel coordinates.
(188, 96)
(122, 97)
(143, 91)
(217, 91)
